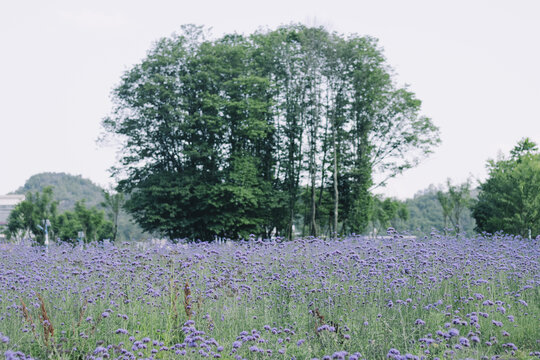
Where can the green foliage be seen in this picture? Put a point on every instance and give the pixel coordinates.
(426, 214)
(70, 189)
(453, 203)
(28, 217)
(28, 220)
(91, 221)
(509, 199)
(217, 135)
(388, 212)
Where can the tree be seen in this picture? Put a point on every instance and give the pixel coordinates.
(509, 199)
(90, 221)
(218, 136)
(113, 203)
(27, 218)
(453, 203)
(446, 206)
(460, 197)
(426, 213)
(388, 211)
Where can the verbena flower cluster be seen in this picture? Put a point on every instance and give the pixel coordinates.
(351, 298)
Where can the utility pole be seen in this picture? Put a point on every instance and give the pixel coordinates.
(46, 224)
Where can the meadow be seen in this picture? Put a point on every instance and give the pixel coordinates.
(351, 298)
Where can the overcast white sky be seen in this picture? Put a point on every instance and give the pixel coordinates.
(474, 64)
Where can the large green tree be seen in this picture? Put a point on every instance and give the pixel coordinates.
(509, 200)
(220, 137)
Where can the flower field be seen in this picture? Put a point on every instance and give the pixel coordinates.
(354, 298)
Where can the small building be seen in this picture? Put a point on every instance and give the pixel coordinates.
(8, 203)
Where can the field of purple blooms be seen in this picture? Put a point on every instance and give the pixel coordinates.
(354, 298)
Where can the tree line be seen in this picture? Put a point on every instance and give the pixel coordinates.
(38, 215)
(245, 134)
(507, 201)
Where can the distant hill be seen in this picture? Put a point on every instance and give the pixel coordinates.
(425, 214)
(68, 189)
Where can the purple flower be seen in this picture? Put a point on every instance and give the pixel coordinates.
(340, 355)
(392, 352)
(99, 350)
(510, 345)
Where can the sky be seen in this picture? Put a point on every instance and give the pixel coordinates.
(474, 65)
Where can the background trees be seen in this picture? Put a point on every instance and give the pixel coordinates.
(70, 189)
(222, 137)
(90, 221)
(509, 200)
(453, 203)
(27, 220)
(387, 213)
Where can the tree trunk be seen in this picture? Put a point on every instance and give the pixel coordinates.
(336, 192)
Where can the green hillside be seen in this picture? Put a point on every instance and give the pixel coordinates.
(68, 189)
(425, 214)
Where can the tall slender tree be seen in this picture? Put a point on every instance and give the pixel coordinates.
(113, 203)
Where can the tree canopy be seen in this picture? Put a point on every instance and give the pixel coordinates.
(225, 137)
(509, 200)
